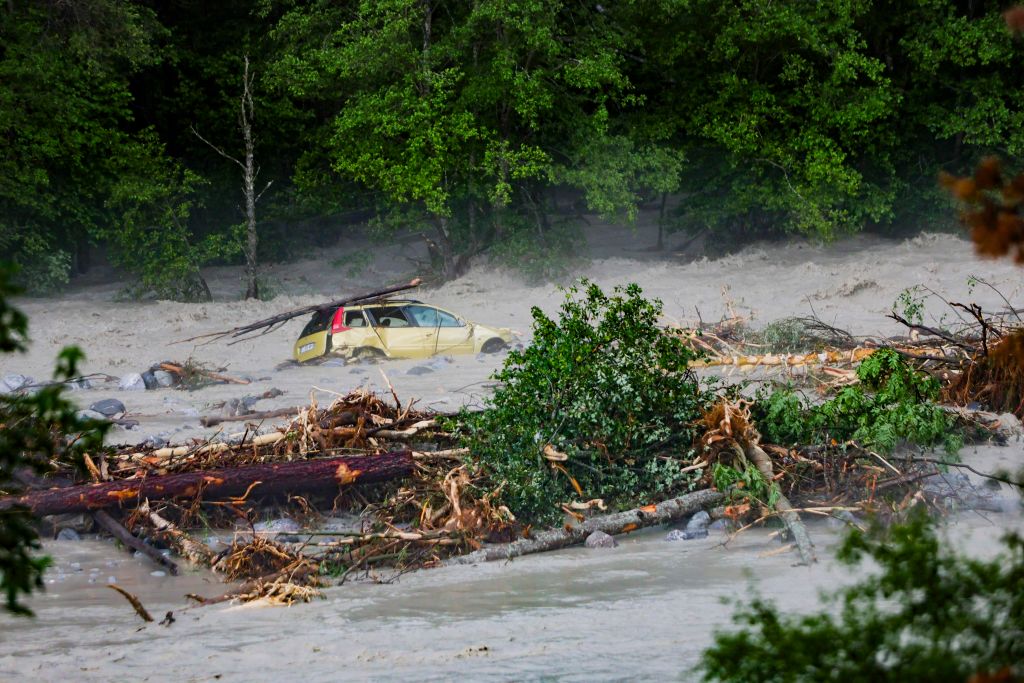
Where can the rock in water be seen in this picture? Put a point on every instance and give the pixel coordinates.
(420, 370)
(164, 379)
(67, 534)
(13, 382)
(110, 407)
(149, 379)
(600, 539)
(700, 520)
(676, 535)
(132, 382)
(91, 415)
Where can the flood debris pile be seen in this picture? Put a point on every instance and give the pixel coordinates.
(600, 427)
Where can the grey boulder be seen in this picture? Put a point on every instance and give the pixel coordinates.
(132, 382)
(599, 539)
(109, 407)
(164, 379)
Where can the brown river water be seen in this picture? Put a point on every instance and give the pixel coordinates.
(642, 611)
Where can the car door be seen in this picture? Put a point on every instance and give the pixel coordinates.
(402, 337)
(449, 333)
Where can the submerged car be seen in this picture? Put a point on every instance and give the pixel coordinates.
(403, 328)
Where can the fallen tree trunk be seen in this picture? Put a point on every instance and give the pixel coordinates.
(617, 523)
(790, 518)
(113, 527)
(263, 479)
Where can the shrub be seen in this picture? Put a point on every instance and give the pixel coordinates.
(927, 615)
(32, 434)
(893, 402)
(602, 385)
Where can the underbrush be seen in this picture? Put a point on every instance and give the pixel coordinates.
(928, 614)
(600, 405)
(892, 402)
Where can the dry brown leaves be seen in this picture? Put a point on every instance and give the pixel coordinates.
(726, 430)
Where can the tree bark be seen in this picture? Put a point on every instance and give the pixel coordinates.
(259, 480)
(790, 518)
(249, 172)
(617, 523)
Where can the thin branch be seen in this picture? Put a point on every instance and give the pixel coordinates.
(215, 148)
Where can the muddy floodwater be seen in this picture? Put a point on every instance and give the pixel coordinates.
(642, 611)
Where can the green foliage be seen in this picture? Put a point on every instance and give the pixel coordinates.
(748, 483)
(33, 434)
(910, 305)
(603, 385)
(892, 402)
(927, 614)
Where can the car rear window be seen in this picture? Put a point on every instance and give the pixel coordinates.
(320, 321)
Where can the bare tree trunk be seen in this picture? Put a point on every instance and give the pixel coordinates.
(661, 222)
(249, 172)
(616, 523)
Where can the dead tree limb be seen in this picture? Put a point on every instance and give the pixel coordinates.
(214, 420)
(135, 602)
(263, 479)
(790, 518)
(272, 323)
(107, 522)
(617, 523)
(192, 550)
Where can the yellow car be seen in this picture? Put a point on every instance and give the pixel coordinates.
(397, 328)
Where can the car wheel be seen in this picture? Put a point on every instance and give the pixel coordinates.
(493, 345)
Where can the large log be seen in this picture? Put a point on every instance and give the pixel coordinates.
(259, 480)
(616, 523)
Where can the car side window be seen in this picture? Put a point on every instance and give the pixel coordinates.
(354, 319)
(428, 316)
(390, 316)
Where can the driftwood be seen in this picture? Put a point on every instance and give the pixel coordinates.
(214, 420)
(790, 518)
(107, 522)
(135, 602)
(272, 323)
(197, 553)
(182, 373)
(617, 523)
(263, 479)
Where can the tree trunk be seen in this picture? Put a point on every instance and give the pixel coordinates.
(264, 480)
(789, 516)
(249, 173)
(617, 523)
(661, 222)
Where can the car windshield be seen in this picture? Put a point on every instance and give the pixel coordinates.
(427, 316)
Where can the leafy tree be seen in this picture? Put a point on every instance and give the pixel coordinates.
(34, 429)
(65, 114)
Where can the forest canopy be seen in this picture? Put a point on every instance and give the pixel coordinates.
(486, 124)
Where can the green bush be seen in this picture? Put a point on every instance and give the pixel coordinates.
(892, 402)
(33, 434)
(927, 615)
(603, 385)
